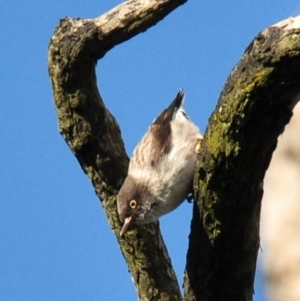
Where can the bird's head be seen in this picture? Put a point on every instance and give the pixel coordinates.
(135, 204)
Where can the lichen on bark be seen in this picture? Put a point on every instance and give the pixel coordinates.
(253, 108)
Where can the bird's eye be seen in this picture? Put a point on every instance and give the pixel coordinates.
(132, 204)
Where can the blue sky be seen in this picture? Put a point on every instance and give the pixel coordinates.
(55, 241)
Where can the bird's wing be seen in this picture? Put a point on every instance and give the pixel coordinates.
(161, 127)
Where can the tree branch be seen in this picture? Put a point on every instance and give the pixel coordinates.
(93, 134)
(253, 109)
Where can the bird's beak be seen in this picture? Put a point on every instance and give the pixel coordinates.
(127, 223)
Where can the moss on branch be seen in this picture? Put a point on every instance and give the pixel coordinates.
(254, 107)
(93, 134)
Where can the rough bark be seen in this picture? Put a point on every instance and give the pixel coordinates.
(253, 108)
(93, 134)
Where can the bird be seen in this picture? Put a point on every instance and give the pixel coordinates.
(161, 170)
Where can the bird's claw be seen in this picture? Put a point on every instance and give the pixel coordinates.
(199, 143)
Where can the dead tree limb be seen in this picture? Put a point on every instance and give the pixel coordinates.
(93, 134)
(253, 109)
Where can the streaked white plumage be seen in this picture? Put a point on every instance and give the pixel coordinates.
(162, 167)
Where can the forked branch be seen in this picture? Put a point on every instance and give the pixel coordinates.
(253, 109)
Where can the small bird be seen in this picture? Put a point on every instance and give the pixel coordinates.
(161, 170)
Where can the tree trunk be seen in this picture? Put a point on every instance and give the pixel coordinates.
(255, 105)
(252, 111)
